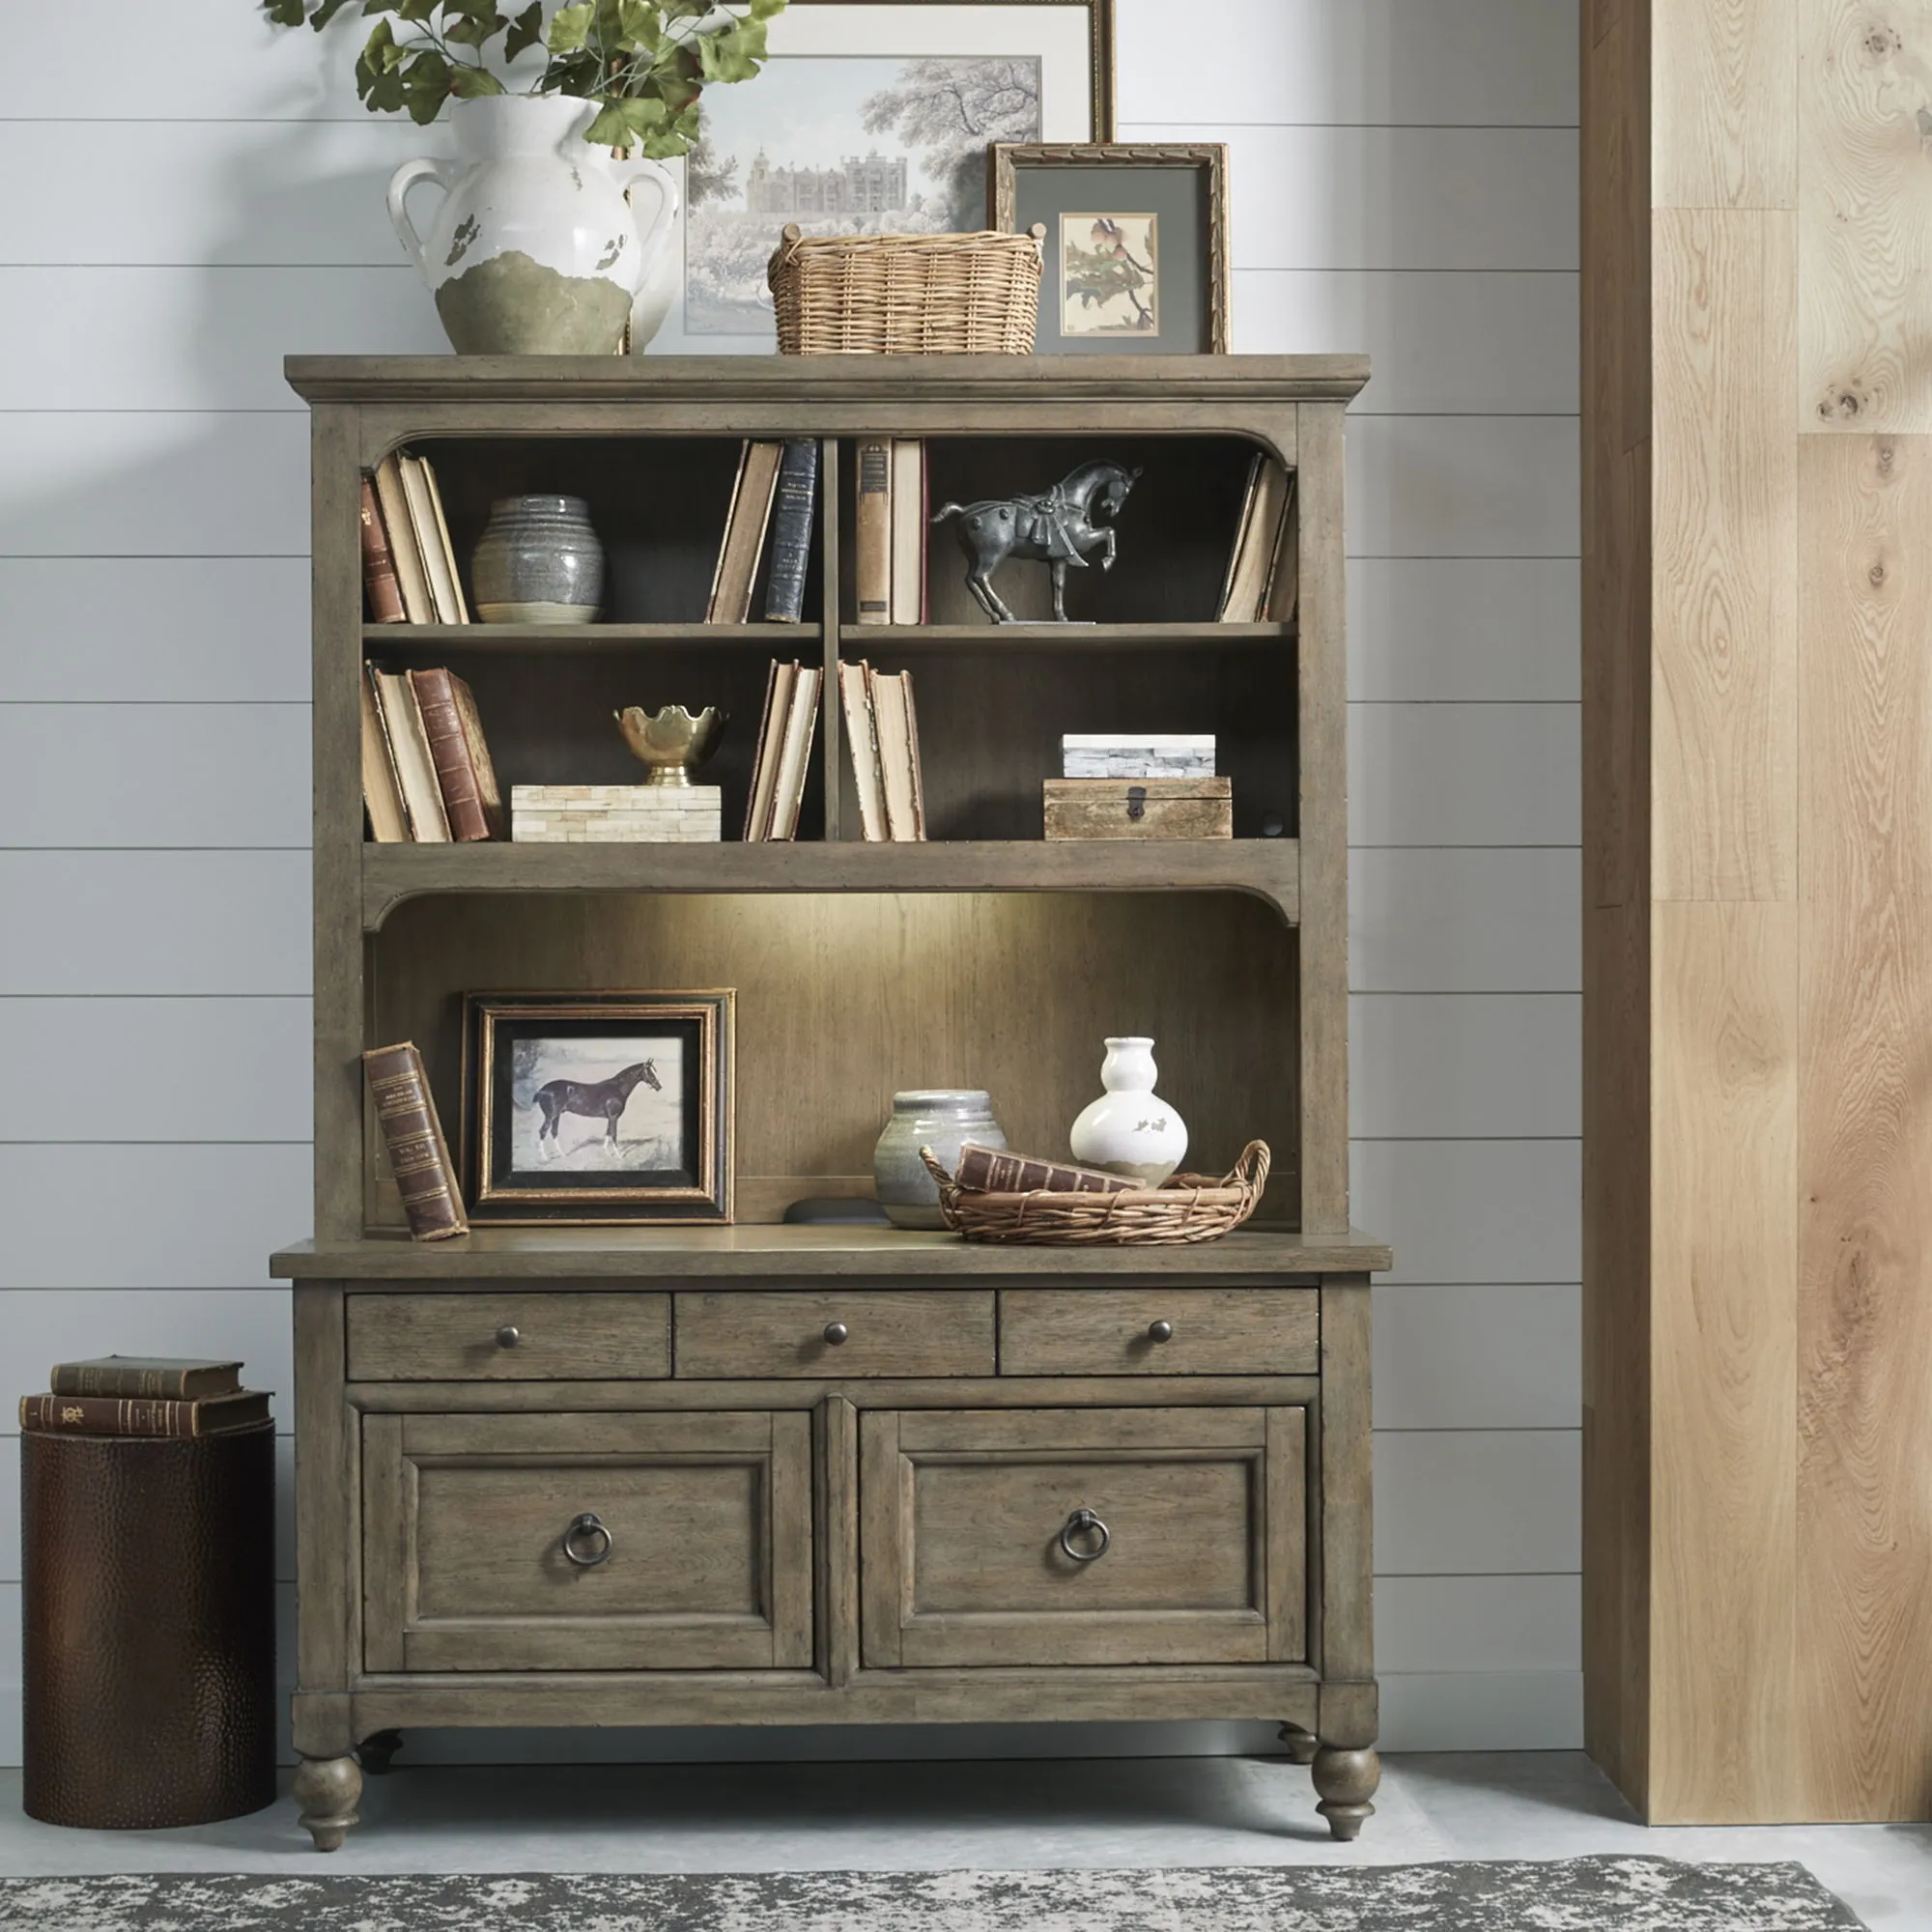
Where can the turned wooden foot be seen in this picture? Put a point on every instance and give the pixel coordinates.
(1346, 1780)
(374, 1753)
(1298, 1745)
(327, 1788)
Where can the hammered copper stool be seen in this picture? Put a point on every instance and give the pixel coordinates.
(149, 1584)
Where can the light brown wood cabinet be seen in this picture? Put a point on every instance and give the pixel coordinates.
(581, 1475)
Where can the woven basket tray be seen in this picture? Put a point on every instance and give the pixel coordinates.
(1186, 1207)
(906, 295)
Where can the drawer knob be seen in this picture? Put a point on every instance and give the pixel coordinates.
(507, 1336)
(586, 1542)
(836, 1334)
(1092, 1533)
(1161, 1331)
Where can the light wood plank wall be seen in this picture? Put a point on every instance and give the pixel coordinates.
(1403, 181)
(1757, 433)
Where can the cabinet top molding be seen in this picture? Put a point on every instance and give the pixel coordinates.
(828, 379)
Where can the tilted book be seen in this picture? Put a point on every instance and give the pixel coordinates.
(382, 788)
(121, 1415)
(378, 567)
(464, 773)
(419, 1154)
(994, 1171)
(170, 1378)
(791, 531)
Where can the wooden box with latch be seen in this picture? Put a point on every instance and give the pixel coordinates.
(1139, 808)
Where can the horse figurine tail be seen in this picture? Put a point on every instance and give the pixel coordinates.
(945, 510)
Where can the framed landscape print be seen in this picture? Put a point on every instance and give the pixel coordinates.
(1136, 244)
(597, 1107)
(873, 117)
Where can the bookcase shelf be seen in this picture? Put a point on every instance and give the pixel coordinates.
(439, 640)
(1268, 869)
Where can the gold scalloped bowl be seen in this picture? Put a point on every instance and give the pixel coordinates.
(671, 741)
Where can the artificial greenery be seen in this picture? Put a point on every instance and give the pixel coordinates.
(645, 62)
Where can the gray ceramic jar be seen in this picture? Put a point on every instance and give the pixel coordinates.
(941, 1119)
(538, 562)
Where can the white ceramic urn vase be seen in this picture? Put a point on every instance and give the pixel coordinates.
(1130, 1129)
(533, 248)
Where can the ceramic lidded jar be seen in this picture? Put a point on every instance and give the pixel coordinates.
(538, 561)
(943, 1118)
(1130, 1129)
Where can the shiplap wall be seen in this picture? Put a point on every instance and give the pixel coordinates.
(1404, 182)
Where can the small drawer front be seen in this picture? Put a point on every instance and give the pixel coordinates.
(549, 1337)
(1082, 1536)
(609, 1542)
(1161, 1331)
(756, 1335)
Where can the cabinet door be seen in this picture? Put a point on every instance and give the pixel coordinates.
(1083, 1536)
(700, 1559)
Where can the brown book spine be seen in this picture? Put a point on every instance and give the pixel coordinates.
(419, 1154)
(456, 775)
(122, 1415)
(872, 531)
(134, 1379)
(992, 1171)
(378, 567)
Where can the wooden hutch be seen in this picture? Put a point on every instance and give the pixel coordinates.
(866, 1534)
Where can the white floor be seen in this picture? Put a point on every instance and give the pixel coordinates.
(1116, 1814)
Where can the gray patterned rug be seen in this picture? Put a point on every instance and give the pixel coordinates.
(1601, 1895)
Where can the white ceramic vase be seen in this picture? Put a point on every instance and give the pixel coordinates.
(533, 249)
(1130, 1129)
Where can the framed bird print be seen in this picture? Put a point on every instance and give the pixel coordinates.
(1136, 249)
(597, 1107)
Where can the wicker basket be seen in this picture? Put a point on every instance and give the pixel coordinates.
(1187, 1207)
(906, 295)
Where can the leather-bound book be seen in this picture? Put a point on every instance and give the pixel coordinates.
(167, 1377)
(994, 1171)
(872, 531)
(122, 1415)
(464, 773)
(378, 567)
(419, 1154)
(791, 531)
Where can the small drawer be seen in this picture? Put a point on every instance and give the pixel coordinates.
(1161, 1331)
(548, 1337)
(725, 1337)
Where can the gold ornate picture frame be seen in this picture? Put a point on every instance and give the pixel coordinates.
(1136, 251)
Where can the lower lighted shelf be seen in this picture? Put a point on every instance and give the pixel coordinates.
(764, 1250)
(1268, 868)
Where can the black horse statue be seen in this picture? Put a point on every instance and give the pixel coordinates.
(1057, 529)
(598, 1099)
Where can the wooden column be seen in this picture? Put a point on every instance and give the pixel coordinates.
(1757, 200)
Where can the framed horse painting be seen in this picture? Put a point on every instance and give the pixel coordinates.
(597, 1107)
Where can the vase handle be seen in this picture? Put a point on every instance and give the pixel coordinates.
(423, 168)
(628, 173)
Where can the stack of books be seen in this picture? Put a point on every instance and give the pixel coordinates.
(776, 486)
(889, 532)
(408, 567)
(882, 732)
(784, 760)
(1263, 571)
(426, 770)
(144, 1394)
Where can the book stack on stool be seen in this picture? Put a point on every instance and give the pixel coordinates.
(147, 1530)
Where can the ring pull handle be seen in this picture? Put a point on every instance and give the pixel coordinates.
(837, 1334)
(508, 1336)
(1161, 1331)
(586, 1542)
(1093, 1534)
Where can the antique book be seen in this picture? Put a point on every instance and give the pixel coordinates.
(908, 519)
(442, 536)
(993, 1171)
(419, 1154)
(872, 531)
(861, 740)
(408, 746)
(169, 1377)
(795, 759)
(378, 567)
(1254, 549)
(912, 754)
(1138, 809)
(464, 773)
(744, 539)
(1285, 579)
(381, 790)
(439, 568)
(770, 739)
(1242, 524)
(892, 718)
(411, 576)
(791, 531)
(123, 1415)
